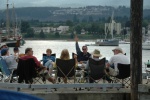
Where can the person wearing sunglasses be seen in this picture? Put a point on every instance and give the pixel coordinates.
(82, 56)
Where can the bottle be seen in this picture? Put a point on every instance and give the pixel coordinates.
(148, 64)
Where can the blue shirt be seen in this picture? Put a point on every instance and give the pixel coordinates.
(46, 58)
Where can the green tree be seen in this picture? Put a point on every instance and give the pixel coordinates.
(41, 34)
(30, 33)
(57, 35)
(78, 29)
(24, 26)
(72, 35)
(69, 23)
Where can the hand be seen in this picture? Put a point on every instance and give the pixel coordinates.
(80, 62)
(107, 65)
(76, 38)
(75, 56)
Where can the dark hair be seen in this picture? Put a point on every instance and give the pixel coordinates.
(27, 50)
(84, 46)
(16, 49)
(4, 51)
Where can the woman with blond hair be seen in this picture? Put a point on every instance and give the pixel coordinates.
(65, 56)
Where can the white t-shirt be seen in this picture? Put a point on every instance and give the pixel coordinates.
(10, 61)
(118, 58)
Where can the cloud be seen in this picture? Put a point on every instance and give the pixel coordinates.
(66, 3)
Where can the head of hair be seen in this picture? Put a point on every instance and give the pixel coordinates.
(64, 54)
(4, 51)
(27, 50)
(49, 50)
(16, 49)
(84, 46)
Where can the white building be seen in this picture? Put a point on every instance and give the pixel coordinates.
(113, 26)
(60, 29)
(45, 29)
(63, 29)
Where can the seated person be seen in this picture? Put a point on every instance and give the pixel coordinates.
(16, 53)
(29, 54)
(96, 56)
(48, 60)
(65, 56)
(118, 57)
(81, 55)
(10, 59)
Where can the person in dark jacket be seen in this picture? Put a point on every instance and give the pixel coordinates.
(83, 55)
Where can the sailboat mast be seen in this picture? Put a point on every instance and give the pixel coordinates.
(112, 24)
(7, 19)
(14, 20)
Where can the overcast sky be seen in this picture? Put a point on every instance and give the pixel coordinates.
(68, 3)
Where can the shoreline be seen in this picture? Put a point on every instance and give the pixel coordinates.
(59, 40)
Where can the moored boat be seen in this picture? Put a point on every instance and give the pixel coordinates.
(146, 45)
(107, 42)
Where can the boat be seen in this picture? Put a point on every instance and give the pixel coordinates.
(11, 40)
(108, 42)
(146, 45)
(146, 39)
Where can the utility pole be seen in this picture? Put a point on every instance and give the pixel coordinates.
(136, 46)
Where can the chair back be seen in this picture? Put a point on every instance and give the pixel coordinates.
(65, 68)
(124, 71)
(96, 68)
(51, 54)
(26, 69)
(4, 67)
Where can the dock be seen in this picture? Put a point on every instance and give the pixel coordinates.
(100, 91)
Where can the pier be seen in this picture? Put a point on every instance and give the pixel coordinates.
(100, 91)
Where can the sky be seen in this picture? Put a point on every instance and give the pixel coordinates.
(68, 3)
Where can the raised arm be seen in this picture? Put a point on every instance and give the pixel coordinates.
(77, 45)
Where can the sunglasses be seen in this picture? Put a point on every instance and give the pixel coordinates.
(83, 49)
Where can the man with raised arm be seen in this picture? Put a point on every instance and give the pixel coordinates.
(81, 55)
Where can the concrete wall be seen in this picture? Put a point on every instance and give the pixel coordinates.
(144, 91)
(84, 96)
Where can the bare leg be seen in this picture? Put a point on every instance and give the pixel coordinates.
(51, 80)
(65, 80)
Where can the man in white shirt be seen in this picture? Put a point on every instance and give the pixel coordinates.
(10, 59)
(118, 57)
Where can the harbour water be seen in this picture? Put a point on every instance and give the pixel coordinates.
(40, 46)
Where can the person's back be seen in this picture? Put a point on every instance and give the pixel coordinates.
(119, 58)
(95, 56)
(11, 61)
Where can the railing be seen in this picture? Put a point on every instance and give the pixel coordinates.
(18, 86)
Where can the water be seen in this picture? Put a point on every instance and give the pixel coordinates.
(40, 46)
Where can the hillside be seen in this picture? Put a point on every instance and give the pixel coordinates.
(57, 14)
